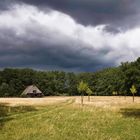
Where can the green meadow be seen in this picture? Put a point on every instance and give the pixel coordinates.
(69, 121)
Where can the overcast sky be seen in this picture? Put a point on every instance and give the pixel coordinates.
(70, 35)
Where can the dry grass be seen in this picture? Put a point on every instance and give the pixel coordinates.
(63, 119)
(97, 101)
(109, 101)
(33, 101)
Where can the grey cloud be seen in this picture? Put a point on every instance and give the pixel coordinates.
(45, 56)
(117, 13)
(45, 44)
(4, 4)
(32, 50)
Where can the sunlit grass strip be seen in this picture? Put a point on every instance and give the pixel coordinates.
(71, 122)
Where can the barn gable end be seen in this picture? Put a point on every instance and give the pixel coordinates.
(32, 91)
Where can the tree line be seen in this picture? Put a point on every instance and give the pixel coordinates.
(109, 81)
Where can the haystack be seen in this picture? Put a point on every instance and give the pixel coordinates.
(32, 91)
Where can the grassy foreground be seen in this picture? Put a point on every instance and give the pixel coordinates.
(68, 121)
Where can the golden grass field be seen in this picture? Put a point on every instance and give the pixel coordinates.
(63, 118)
(33, 101)
(97, 101)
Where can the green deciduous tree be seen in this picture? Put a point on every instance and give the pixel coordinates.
(89, 92)
(133, 91)
(82, 88)
(4, 90)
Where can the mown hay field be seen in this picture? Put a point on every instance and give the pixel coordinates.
(63, 118)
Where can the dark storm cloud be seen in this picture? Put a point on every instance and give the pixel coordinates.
(41, 37)
(118, 13)
(23, 51)
(4, 4)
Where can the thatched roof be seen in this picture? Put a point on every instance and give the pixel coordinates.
(30, 90)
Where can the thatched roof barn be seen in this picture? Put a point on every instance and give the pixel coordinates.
(32, 91)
